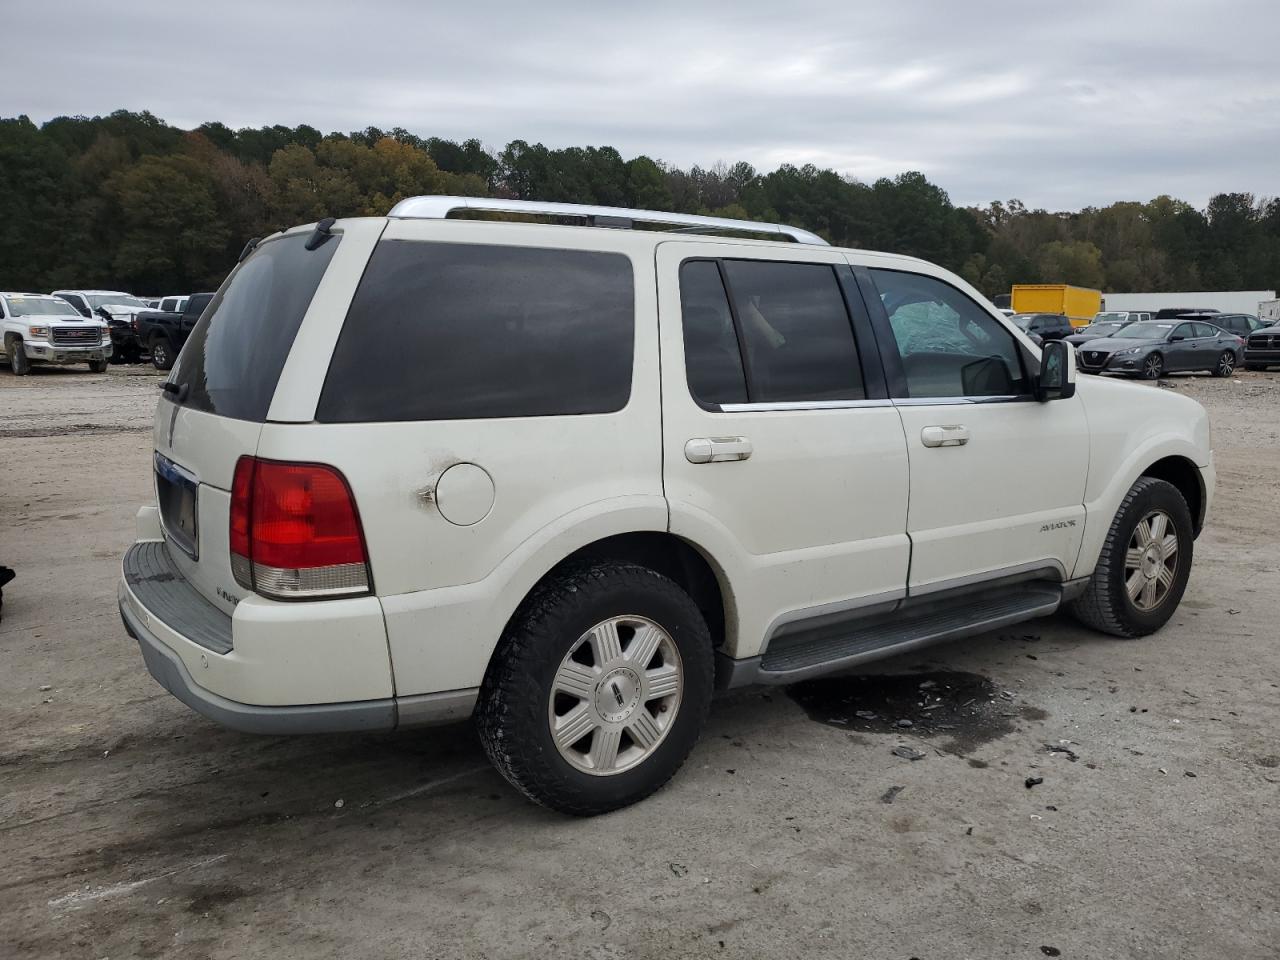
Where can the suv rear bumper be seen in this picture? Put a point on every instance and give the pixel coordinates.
(171, 622)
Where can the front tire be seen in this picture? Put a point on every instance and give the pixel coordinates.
(1225, 366)
(598, 689)
(1145, 563)
(19, 362)
(1153, 367)
(97, 366)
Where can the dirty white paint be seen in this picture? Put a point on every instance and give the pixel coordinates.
(80, 898)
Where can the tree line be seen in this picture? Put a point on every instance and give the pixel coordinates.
(129, 201)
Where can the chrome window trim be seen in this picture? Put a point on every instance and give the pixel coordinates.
(947, 401)
(789, 405)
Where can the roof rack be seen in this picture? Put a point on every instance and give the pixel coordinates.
(439, 208)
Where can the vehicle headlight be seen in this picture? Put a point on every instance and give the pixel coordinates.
(1130, 352)
(39, 331)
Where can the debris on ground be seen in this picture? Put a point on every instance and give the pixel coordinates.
(904, 723)
(888, 795)
(1063, 749)
(1051, 951)
(1032, 782)
(678, 869)
(339, 803)
(907, 753)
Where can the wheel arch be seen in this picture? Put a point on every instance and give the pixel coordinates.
(1182, 472)
(681, 561)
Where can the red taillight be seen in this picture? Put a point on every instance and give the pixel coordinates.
(295, 531)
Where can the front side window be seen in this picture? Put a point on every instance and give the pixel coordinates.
(1186, 331)
(76, 301)
(457, 331)
(950, 346)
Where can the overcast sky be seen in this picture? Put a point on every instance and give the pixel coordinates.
(1059, 104)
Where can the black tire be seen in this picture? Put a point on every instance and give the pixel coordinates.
(1105, 604)
(98, 366)
(19, 362)
(162, 355)
(1153, 367)
(1225, 366)
(515, 698)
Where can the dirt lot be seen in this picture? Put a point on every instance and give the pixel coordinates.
(129, 826)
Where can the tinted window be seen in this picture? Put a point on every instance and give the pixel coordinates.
(169, 305)
(76, 301)
(197, 303)
(443, 331)
(1206, 330)
(712, 360)
(233, 359)
(795, 330)
(950, 347)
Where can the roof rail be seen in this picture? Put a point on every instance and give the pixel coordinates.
(438, 208)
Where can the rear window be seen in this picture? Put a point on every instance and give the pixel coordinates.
(232, 361)
(447, 331)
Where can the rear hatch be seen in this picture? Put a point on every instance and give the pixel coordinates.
(218, 396)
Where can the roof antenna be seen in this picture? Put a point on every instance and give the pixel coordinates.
(321, 233)
(249, 248)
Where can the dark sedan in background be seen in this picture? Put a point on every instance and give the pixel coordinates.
(1152, 348)
(1097, 330)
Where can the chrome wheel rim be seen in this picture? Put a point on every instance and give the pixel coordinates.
(615, 695)
(1153, 367)
(159, 353)
(1151, 561)
(1226, 364)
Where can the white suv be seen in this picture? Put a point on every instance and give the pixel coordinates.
(38, 328)
(570, 480)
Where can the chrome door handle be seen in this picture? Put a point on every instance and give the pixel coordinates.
(947, 435)
(717, 449)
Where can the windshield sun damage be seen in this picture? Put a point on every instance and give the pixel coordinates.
(97, 300)
(1147, 330)
(27, 307)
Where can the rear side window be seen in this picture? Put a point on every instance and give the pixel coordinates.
(712, 358)
(446, 331)
(796, 331)
(233, 359)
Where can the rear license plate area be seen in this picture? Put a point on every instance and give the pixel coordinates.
(177, 493)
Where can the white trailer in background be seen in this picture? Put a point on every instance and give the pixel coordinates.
(1224, 301)
(1269, 310)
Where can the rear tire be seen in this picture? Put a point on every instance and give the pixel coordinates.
(19, 362)
(634, 727)
(1225, 366)
(1137, 583)
(162, 353)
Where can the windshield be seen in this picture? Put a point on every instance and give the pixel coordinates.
(1023, 320)
(24, 307)
(1104, 329)
(1110, 317)
(1148, 330)
(97, 300)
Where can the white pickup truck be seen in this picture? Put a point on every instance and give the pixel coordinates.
(38, 328)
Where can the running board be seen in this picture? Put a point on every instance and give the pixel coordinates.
(809, 654)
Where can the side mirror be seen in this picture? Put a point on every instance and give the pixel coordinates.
(1176, 338)
(1057, 377)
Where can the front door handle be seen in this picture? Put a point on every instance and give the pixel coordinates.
(947, 435)
(717, 449)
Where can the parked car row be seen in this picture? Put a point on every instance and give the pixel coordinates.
(1175, 340)
(95, 327)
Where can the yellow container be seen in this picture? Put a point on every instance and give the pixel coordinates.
(1078, 303)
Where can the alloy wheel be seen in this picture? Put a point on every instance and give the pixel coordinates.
(615, 695)
(1151, 561)
(1226, 363)
(1153, 367)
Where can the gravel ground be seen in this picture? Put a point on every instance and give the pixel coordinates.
(131, 827)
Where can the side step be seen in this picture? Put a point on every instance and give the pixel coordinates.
(804, 655)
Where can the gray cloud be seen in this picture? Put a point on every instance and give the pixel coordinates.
(1061, 106)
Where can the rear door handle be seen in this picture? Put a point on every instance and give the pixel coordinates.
(946, 435)
(717, 449)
